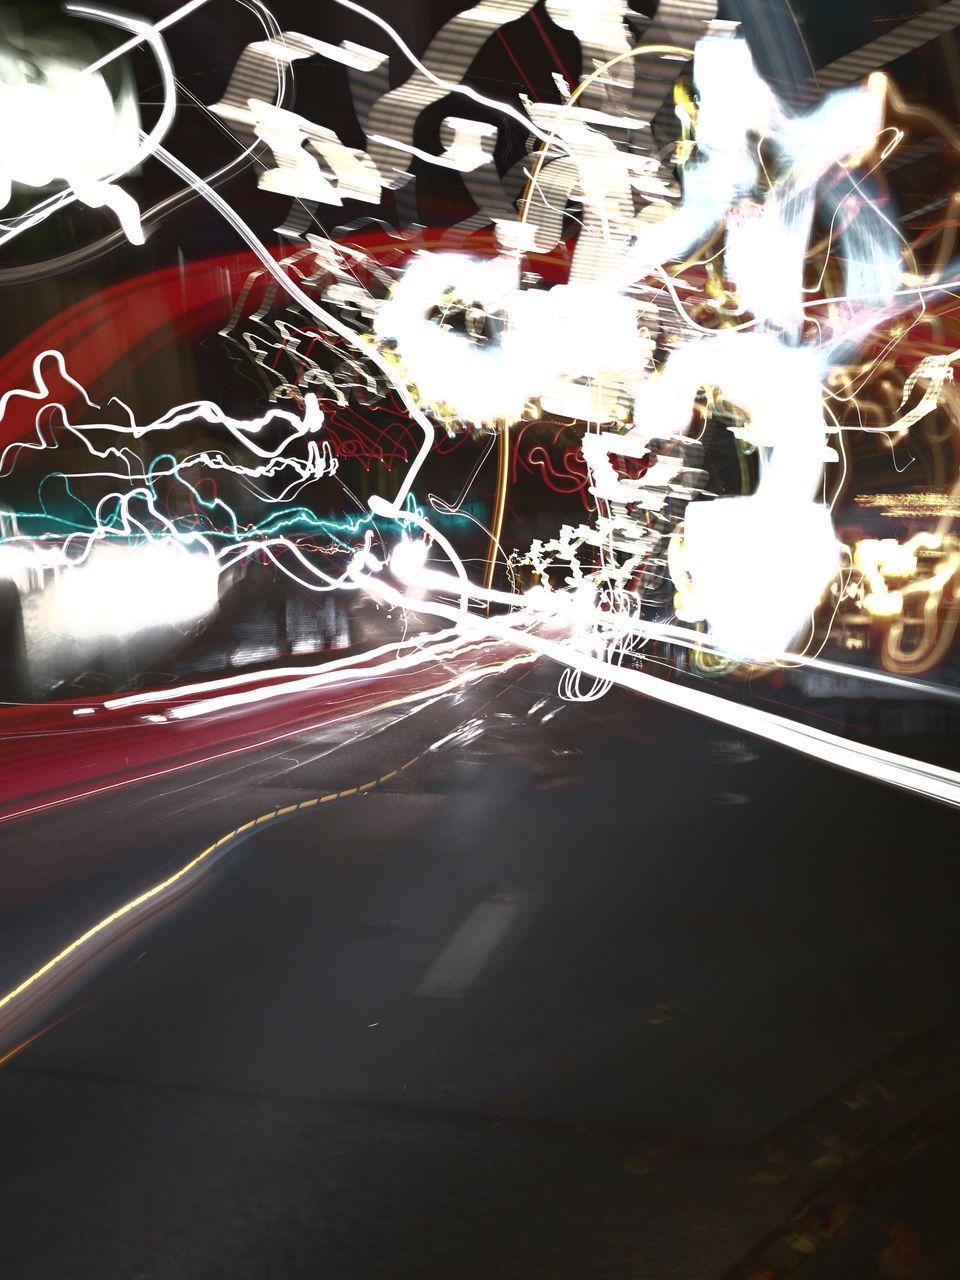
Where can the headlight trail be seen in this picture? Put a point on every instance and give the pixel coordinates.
(916, 776)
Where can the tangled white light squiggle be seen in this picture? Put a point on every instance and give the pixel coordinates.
(756, 565)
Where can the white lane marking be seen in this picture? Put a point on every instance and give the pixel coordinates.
(462, 960)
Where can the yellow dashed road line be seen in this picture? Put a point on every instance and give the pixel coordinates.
(158, 890)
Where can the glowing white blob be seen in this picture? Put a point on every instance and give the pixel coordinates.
(408, 560)
(758, 570)
(758, 565)
(570, 331)
(119, 591)
(61, 124)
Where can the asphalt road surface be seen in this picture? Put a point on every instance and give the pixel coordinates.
(586, 991)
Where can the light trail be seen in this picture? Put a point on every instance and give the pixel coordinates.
(145, 32)
(434, 645)
(888, 767)
(317, 312)
(306, 723)
(166, 891)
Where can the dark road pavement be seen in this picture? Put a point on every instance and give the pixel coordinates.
(589, 990)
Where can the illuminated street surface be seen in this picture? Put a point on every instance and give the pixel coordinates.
(641, 1077)
(53, 755)
(479, 664)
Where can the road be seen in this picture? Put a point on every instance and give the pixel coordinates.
(56, 752)
(586, 991)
